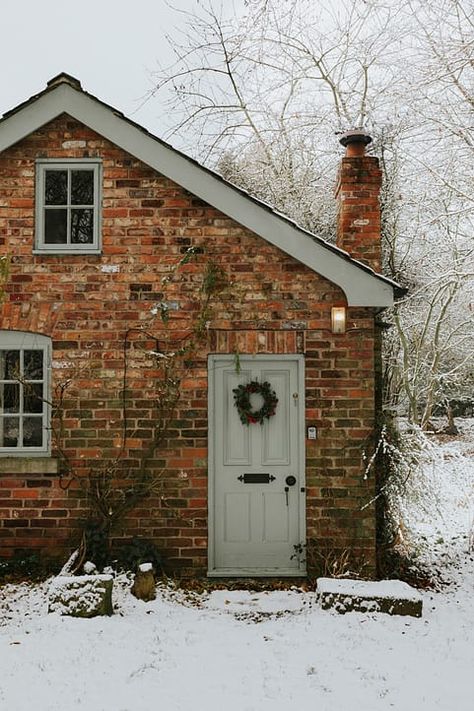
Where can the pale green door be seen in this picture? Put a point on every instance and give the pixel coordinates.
(256, 472)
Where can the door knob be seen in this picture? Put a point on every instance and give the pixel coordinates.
(290, 480)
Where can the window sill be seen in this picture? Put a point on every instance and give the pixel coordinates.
(28, 465)
(63, 252)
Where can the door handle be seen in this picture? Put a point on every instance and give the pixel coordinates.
(290, 480)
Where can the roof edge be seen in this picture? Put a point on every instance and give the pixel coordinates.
(64, 94)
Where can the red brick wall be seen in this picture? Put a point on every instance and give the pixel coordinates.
(87, 303)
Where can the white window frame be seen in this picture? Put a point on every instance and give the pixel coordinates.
(44, 164)
(21, 341)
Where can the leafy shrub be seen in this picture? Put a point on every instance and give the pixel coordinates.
(131, 554)
(96, 543)
(26, 565)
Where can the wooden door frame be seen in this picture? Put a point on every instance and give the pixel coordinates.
(300, 361)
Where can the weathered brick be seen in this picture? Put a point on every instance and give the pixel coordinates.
(87, 304)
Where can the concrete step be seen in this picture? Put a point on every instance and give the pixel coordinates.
(392, 597)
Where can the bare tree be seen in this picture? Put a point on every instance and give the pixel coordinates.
(431, 245)
(260, 98)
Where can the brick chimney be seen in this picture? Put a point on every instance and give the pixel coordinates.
(357, 193)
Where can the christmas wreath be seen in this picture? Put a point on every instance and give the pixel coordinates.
(242, 402)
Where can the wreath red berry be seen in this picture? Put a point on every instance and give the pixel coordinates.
(242, 402)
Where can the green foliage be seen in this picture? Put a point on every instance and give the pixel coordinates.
(4, 272)
(190, 254)
(214, 280)
(164, 312)
(237, 363)
(242, 402)
(96, 540)
(131, 554)
(27, 566)
(126, 555)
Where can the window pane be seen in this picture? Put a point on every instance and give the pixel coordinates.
(55, 187)
(10, 397)
(32, 432)
(9, 365)
(33, 397)
(82, 187)
(33, 365)
(82, 226)
(9, 431)
(55, 226)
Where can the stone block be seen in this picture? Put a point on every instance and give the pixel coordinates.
(81, 595)
(29, 465)
(144, 584)
(392, 597)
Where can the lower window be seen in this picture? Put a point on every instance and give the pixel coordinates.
(24, 393)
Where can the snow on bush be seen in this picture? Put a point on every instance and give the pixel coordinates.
(432, 497)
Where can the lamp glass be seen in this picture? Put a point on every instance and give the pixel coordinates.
(338, 319)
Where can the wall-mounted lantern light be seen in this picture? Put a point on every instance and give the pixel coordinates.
(338, 319)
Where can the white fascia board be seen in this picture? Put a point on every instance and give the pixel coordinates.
(32, 116)
(360, 286)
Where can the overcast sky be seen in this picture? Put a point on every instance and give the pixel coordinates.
(110, 45)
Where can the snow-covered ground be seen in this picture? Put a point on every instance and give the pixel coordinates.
(232, 649)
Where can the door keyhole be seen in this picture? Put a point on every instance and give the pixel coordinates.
(287, 488)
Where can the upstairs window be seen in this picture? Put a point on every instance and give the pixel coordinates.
(24, 393)
(67, 206)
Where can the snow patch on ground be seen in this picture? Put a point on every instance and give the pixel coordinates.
(266, 651)
(238, 601)
(211, 657)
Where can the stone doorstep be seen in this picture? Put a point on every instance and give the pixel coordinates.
(392, 597)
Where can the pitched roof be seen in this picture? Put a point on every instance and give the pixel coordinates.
(64, 94)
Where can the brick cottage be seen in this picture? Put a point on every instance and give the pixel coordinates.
(95, 214)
